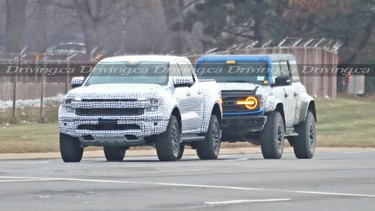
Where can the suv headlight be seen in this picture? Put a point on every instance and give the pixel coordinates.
(250, 102)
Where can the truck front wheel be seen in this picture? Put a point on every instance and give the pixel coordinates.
(209, 148)
(70, 149)
(168, 143)
(304, 143)
(114, 154)
(272, 137)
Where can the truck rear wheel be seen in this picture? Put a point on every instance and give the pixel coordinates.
(181, 151)
(209, 148)
(114, 154)
(168, 143)
(272, 137)
(70, 149)
(304, 143)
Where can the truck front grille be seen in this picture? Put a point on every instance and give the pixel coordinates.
(109, 127)
(110, 112)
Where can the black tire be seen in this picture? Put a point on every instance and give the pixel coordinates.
(304, 143)
(70, 149)
(209, 148)
(181, 151)
(272, 137)
(168, 143)
(114, 154)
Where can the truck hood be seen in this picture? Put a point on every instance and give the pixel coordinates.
(117, 91)
(237, 86)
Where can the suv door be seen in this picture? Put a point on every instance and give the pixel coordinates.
(291, 101)
(193, 118)
(284, 93)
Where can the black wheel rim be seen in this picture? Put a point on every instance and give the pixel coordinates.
(216, 138)
(280, 136)
(311, 139)
(175, 140)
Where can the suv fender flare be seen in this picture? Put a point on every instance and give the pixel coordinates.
(305, 108)
(270, 104)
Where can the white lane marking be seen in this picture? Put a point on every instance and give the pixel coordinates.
(244, 201)
(193, 186)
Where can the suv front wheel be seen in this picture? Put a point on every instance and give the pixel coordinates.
(272, 137)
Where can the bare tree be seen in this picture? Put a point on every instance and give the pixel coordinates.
(15, 25)
(94, 14)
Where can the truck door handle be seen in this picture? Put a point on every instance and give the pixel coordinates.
(296, 94)
(199, 92)
(188, 94)
(286, 95)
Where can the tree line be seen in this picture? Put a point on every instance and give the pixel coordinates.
(180, 26)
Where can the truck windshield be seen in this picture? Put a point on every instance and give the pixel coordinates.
(129, 73)
(252, 72)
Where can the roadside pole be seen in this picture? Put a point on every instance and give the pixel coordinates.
(42, 90)
(15, 78)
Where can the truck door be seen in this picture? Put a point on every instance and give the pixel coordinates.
(194, 116)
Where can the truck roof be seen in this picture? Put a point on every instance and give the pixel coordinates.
(161, 58)
(272, 57)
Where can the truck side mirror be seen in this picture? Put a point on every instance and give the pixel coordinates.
(77, 81)
(183, 81)
(282, 80)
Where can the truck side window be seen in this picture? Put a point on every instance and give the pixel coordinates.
(174, 70)
(294, 70)
(186, 69)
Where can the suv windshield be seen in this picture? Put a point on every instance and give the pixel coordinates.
(252, 72)
(129, 73)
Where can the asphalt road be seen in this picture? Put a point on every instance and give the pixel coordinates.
(330, 181)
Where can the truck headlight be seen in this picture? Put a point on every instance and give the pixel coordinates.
(251, 102)
(154, 104)
(67, 104)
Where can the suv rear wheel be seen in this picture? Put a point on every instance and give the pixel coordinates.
(272, 137)
(304, 143)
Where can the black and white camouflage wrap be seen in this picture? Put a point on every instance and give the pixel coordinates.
(156, 101)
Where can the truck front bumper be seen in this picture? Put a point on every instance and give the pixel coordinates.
(99, 132)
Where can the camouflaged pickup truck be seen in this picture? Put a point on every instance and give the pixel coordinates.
(141, 100)
(264, 102)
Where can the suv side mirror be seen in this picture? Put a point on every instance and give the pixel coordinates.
(183, 81)
(77, 81)
(282, 81)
